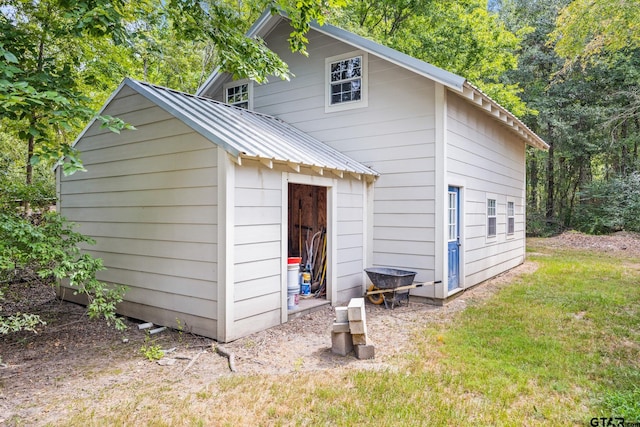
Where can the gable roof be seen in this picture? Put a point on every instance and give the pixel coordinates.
(263, 26)
(268, 21)
(246, 134)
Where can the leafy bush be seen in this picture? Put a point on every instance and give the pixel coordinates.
(48, 250)
(609, 206)
(538, 225)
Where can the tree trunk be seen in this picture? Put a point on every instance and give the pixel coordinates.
(533, 180)
(635, 146)
(29, 168)
(550, 185)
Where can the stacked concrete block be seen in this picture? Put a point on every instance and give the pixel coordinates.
(350, 329)
(341, 342)
(357, 321)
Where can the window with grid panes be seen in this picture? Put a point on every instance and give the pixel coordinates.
(346, 80)
(491, 218)
(511, 220)
(238, 95)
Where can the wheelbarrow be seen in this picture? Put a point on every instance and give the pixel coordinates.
(391, 285)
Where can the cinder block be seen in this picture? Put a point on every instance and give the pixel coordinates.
(359, 339)
(365, 351)
(341, 343)
(357, 327)
(342, 314)
(341, 327)
(356, 309)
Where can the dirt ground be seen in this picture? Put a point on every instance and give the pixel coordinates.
(72, 357)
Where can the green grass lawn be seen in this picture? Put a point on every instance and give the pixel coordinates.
(557, 347)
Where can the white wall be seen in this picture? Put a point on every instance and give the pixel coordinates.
(257, 287)
(395, 135)
(351, 241)
(488, 161)
(149, 199)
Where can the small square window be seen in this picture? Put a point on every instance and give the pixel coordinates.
(491, 218)
(238, 94)
(346, 81)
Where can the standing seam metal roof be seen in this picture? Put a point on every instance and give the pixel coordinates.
(245, 133)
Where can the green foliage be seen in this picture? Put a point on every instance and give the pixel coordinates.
(40, 63)
(590, 114)
(607, 206)
(59, 60)
(151, 351)
(461, 37)
(19, 322)
(594, 29)
(50, 252)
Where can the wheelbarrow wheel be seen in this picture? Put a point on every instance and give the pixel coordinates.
(376, 299)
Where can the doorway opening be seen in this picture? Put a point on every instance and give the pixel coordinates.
(307, 240)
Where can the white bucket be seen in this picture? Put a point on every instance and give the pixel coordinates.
(293, 288)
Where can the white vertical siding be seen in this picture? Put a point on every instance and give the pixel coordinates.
(491, 163)
(149, 199)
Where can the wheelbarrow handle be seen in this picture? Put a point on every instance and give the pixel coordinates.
(402, 288)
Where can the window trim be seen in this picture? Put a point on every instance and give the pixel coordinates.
(364, 91)
(235, 83)
(493, 216)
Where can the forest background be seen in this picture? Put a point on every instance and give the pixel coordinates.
(569, 69)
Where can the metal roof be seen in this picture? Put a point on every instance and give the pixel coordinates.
(423, 68)
(248, 134)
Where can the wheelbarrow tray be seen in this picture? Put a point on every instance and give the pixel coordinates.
(390, 278)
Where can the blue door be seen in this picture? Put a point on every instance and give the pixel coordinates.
(453, 227)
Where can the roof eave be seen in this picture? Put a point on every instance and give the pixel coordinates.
(368, 174)
(501, 114)
(92, 121)
(448, 79)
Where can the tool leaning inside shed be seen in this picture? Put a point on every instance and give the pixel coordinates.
(392, 281)
(308, 238)
(314, 260)
(319, 264)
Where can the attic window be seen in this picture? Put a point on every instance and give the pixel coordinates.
(239, 94)
(346, 81)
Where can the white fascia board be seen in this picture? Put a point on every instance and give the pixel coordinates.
(479, 98)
